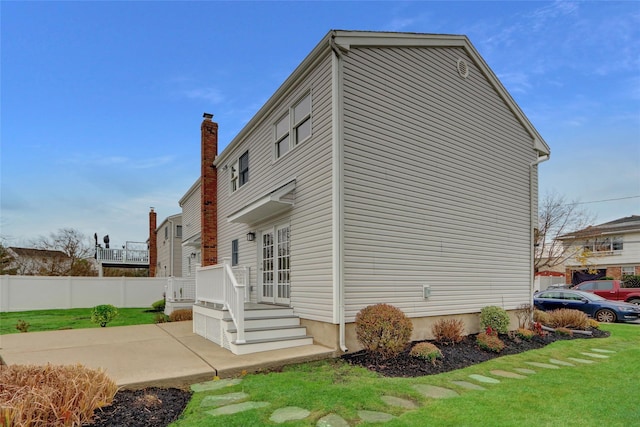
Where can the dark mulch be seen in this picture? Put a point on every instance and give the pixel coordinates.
(458, 356)
(158, 407)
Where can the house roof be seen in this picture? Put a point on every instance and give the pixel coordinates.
(629, 224)
(33, 253)
(345, 40)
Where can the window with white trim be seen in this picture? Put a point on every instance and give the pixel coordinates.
(234, 252)
(240, 172)
(605, 244)
(294, 127)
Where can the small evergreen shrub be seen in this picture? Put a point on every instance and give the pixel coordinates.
(160, 318)
(540, 316)
(489, 342)
(567, 318)
(448, 331)
(564, 331)
(594, 324)
(103, 314)
(383, 330)
(159, 305)
(525, 334)
(426, 351)
(180, 315)
(495, 318)
(22, 326)
(631, 281)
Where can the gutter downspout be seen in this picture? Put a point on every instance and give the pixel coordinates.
(171, 248)
(533, 222)
(337, 178)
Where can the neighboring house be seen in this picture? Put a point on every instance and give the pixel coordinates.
(388, 168)
(39, 262)
(169, 244)
(611, 249)
(191, 238)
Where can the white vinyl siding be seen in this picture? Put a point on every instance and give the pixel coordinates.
(436, 186)
(310, 217)
(191, 226)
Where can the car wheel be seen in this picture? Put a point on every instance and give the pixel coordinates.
(635, 301)
(605, 316)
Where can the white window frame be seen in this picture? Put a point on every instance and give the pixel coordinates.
(295, 124)
(235, 182)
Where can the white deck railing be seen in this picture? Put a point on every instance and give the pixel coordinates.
(217, 284)
(181, 289)
(132, 253)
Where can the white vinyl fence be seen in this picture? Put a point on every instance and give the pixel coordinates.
(20, 293)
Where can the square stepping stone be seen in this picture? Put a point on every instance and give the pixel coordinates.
(595, 356)
(468, 385)
(375, 417)
(214, 385)
(238, 407)
(600, 350)
(560, 362)
(525, 371)
(434, 391)
(484, 379)
(578, 360)
(543, 365)
(399, 402)
(289, 413)
(506, 374)
(332, 420)
(223, 399)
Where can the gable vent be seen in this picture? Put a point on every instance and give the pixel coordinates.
(463, 68)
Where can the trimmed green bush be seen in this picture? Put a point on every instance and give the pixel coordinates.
(426, 351)
(383, 330)
(159, 305)
(495, 318)
(103, 314)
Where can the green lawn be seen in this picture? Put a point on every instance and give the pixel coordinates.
(602, 393)
(75, 318)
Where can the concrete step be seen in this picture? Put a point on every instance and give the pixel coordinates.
(261, 322)
(255, 346)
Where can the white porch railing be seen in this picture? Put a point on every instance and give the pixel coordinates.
(218, 284)
(132, 253)
(181, 289)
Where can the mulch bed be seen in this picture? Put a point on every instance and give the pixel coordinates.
(159, 407)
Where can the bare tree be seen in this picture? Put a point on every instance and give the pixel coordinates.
(74, 245)
(558, 216)
(7, 262)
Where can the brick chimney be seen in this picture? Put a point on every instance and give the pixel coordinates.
(153, 243)
(209, 190)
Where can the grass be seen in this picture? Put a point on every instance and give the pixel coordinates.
(75, 318)
(601, 393)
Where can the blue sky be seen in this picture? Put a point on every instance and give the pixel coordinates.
(101, 102)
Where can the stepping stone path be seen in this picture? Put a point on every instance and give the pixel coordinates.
(231, 403)
(483, 379)
(289, 413)
(507, 374)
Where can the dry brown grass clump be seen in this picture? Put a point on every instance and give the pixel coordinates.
(180, 315)
(52, 395)
(567, 318)
(448, 331)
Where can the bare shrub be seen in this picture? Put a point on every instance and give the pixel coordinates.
(52, 395)
(448, 331)
(383, 330)
(180, 315)
(567, 318)
(524, 313)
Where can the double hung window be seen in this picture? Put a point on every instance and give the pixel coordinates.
(240, 172)
(294, 127)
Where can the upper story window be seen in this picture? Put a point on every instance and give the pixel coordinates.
(178, 231)
(166, 232)
(604, 244)
(240, 172)
(294, 127)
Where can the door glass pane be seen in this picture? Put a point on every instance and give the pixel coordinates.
(284, 270)
(267, 265)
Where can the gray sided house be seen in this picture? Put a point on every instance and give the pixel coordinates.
(169, 244)
(388, 168)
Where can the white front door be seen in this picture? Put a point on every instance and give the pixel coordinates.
(275, 265)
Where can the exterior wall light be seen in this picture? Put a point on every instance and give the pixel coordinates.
(251, 236)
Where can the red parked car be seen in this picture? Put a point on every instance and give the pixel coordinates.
(610, 289)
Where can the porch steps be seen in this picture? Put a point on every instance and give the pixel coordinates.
(267, 327)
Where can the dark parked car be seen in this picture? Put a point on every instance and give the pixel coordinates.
(593, 305)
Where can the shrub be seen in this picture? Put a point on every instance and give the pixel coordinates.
(426, 351)
(448, 331)
(564, 331)
(52, 395)
(489, 342)
(525, 334)
(159, 305)
(566, 318)
(22, 326)
(383, 330)
(631, 281)
(160, 318)
(180, 315)
(593, 324)
(103, 314)
(495, 318)
(540, 316)
(524, 313)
